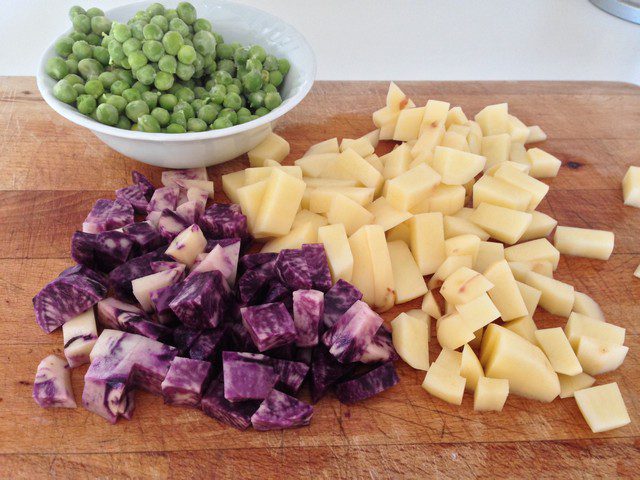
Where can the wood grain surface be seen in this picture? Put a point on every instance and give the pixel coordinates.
(51, 173)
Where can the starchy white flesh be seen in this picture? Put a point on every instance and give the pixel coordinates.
(602, 407)
(556, 297)
(536, 135)
(478, 313)
(187, 245)
(349, 213)
(501, 223)
(520, 269)
(320, 198)
(443, 384)
(386, 215)
(430, 306)
(631, 187)
(316, 164)
(362, 146)
(456, 116)
(231, 182)
(450, 360)
(409, 188)
(584, 242)
(470, 368)
(543, 164)
(463, 245)
(494, 119)
(426, 237)
(456, 226)
(598, 356)
(411, 340)
(356, 167)
(586, 305)
(520, 180)
(505, 293)
(497, 192)
(79, 335)
(541, 226)
(488, 254)
(464, 285)
(250, 198)
(328, 146)
(253, 175)
(495, 148)
(556, 346)
(531, 297)
(518, 131)
(490, 394)
(456, 167)
(533, 250)
(446, 199)
(336, 246)
(477, 341)
(298, 236)
(407, 279)
(525, 327)
(273, 147)
(279, 205)
(570, 384)
(580, 325)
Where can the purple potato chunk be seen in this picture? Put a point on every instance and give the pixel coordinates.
(110, 309)
(349, 337)
(166, 197)
(184, 338)
(83, 248)
(134, 195)
(247, 376)
(52, 387)
(143, 286)
(202, 300)
(161, 300)
(223, 259)
(121, 214)
(326, 371)
(234, 414)
(292, 269)
(279, 411)
(170, 224)
(162, 266)
(224, 221)
(371, 383)
(191, 211)
(308, 310)
(185, 382)
(134, 323)
(318, 266)
(209, 344)
(254, 260)
(143, 184)
(169, 177)
(253, 282)
(381, 348)
(290, 374)
(112, 249)
(65, 298)
(239, 339)
(85, 271)
(277, 292)
(338, 300)
(145, 237)
(79, 336)
(269, 325)
(304, 355)
(98, 217)
(120, 277)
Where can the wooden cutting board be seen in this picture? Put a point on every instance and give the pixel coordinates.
(51, 173)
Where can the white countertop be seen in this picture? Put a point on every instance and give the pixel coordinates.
(404, 39)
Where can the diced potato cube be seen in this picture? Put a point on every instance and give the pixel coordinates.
(411, 340)
(359, 169)
(187, 245)
(463, 245)
(430, 306)
(602, 407)
(349, 213)
(452, 331)
(257, 174)
(450, 360)
(408, 124)
(456, 141)
(442, 384)
(518, 155)
(456, 116)
(328, 146)
(449, 267)
(490, 394)
(431, 135)
(501, 223)
(397, 161)
(537, 189)
(474, 137)
(426, 240)
(541, 226)
(580, 325)
(505, 293)
(459, 129)
(316, 164)
(435, 112)
(328, 182)
(494, 119)
(385, 116)
(273, 147)
(530, 295)
(455, 226)
(280, 204)
(534, 250)
(570, 384)
(298, 236)
(470, 368)
(336, 245)
(250, 198)
(586, 305)
(320, 198)
(400, 232)
(556, 297)
(496, 149)
(362, 146)
(520, 269)
(457, 167)
(383, 273)
(396, 98)
(536, 135)
(556, 346)
(631, 187)
(362, 276)
(305, 216)
(518, 131)
(497, 192)
(584, 242)
(375, 162)
(464, 285)
(598, 356)
(386, 215)
(407, 279)
(404, 191)
(543, 164)
(231, 182)
(525, 327)
(446, 199)
(478, 313)
(488, 254)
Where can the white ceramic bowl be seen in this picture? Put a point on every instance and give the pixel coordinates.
(236, 23)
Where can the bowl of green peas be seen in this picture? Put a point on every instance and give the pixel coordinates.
(177, 86)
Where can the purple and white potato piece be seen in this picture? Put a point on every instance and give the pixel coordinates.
(79, 336)
(97, 218)
(254, 260)
(223, 259)
(65, 298)
(190, 211)
(145, 237)
(85, 271)
(224, 221)
(166, 197)
(308, 310)
(161, 266)
(381, 348)
(239, 339)
(52, 387)
(120, 277)
(371, 383)
(326, 371)
(161, 300)
(134, 195)
(292, 269)
(206, 185)
(185, 382)
(223, 242)
(247, 376)
(202, 300)
(338, 300)
(254, 281)
(290, 374)
(234, 414)
(187, 245)
(277, 292)
(209, 344)
(141, 325)
(184, 337)
(143, 183)
(83, 248)
(169, 177)
(318, 264)
(143, 286)
(269, 325)
(349, 337)
(111, 249)
(170, 224)
(110, 309)
(198, 195)
(279, 411)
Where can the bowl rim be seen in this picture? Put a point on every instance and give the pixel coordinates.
(95, 126)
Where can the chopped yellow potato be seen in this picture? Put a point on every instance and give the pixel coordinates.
(490, 394)
(386, 215)
(456, 167)
(351, 214)
(339, 256)
(556, 346)
(426, 240)
(274, 147)
(570, 384)
(584, 242)
(501, 223)
(494, 119)
(602, 407)
(328, 146)
(280, 204)
(407, 279)
(405, 190)
(442, 384)
(543, 164)
(631, 187)
(411, 340)
(505, 293)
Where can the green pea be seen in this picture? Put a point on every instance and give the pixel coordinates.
(185, 95)
(102, 55)
(222, 78)
(241, 55)
(230, 114)
(137, 29)
(94, 87)
(153, 49)
(179, 118)
(163, 81)
(270, 63)
(136, 109)
(64, 46)
(208, 113)
(252, 81)
(257, 52)
(202, 24)
(172, 41)
(178, 25)
(56, 68)
(81, 23)
(100, 24)
(65, 92)
(219, 38)
(232, 100)
(105, 41)
(107, 79)
(224, 51)
(124, 75)
(124, 63)
(77, 36)
(275, 78)
(175, 128)
(269, 88)
(254, 64)
(262, 111)
(161, 115)
(196, 125)
(120, 32)
(227, 66)
(131, 94)
(75, 10)
(123, 122)
(118, 87)
(272, 100)
(186, 108)
(151, 31)
(131, 45)
(197, 103)
(175, 87)
(79, 88)
(160, 21)
(187, 55)
(118, 102)
(72, 64)
(209, 63)
(204, 42)
(233, 88)
(134, 127)
(256, 99)
(186, 12)
(265, 76)
(283, 66)
(150, 98)
(244, 118)
(187, 41)
(168, 101)
(116, 51)
(148, 123)
(137, 60)
(168, 64)
(86, 104)
(141, 87)
(90, 68)
(155, 9)
(217, 93)
(73, 79)
(221, 122)
(142, 15)
(107, 114)
(146, 74)
(82, 49)
(170, 14)
(94, 12)
(93, 39)
(185, 72)
(243, 111)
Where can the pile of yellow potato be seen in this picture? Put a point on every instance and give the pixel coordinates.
(387, 222)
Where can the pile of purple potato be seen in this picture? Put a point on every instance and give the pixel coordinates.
(185, 313)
